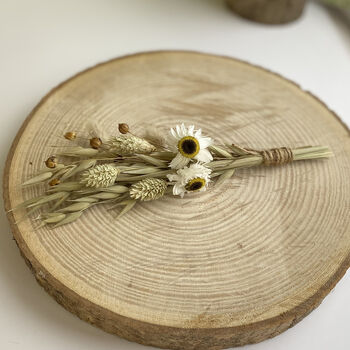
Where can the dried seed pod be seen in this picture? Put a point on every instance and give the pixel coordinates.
(84, 164)
(79, 151)
(154, 136)
(54, 219)
(95, 142)
(105, 195)
(51, 162)
(123, 128)
(227, 174)
(152, 160)
(60, 201)
(85, 199)
(48, 198)
(220, 151)
(79, 206)
(54, 182)
(66, 186)
(51, 215)
(115, 189)
(70, 135)
(142, 171)
(129, 204)
(60, 170)
(39, 178)
(69, 171)
(69, 218)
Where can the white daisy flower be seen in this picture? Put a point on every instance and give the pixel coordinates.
(189, 179)
(188, 144)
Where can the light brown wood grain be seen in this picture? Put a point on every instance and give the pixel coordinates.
(237, 264)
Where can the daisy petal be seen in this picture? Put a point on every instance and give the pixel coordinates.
(177, 189)
(173, 177)
(179, 162)
(173, 133)
(205, 142)
(198, 133)
(190, 130)
(178, 131)
(171, 142)
(204, 156)
(183, 129)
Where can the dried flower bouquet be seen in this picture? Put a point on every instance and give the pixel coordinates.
(125, 169)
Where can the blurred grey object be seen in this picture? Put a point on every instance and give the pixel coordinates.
(340, 8)
(341, 3)
(268, 11)
(279, 11)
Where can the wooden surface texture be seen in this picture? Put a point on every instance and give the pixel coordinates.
(237, 264)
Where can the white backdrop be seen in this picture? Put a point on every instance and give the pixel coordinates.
(45, 42)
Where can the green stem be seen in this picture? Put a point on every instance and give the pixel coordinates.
(302, 153)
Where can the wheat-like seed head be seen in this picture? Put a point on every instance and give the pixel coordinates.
(100, 176)
(127, 145)
(148, 189)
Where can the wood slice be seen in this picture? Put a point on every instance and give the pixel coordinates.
(240, 263)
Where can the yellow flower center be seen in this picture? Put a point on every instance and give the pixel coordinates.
(195, 184)
(188, 146)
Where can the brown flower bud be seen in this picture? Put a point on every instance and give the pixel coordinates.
(51, 162)
(95, 142)
(123, 128)
(70, 135)
(54, 182)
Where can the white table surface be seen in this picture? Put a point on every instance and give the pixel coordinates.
(44, 42)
